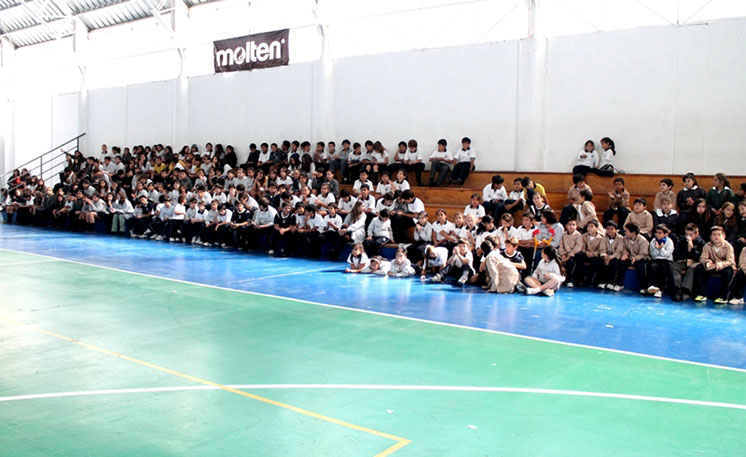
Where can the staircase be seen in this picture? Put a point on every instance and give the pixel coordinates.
(47, 166)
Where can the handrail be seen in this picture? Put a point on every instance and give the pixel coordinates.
(42, 155)
(45, 160)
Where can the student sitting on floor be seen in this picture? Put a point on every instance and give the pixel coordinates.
(511, 252)
(458, 265)
(659, 265)
(501, 274)
(434, 260)
(636, 252)
(613, 269)
(401, 267)
(548, 275)
(357, 260)
(377, 266)
(717, 259)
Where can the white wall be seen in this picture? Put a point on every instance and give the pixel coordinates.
(673, 98)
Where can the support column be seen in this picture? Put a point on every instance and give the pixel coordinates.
(7, 108)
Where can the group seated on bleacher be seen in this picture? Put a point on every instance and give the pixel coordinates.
(289, 201)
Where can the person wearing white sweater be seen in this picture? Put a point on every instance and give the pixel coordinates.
(548, 275)
(401, 267)
(122, 210)
(379, 233)
(586, 160)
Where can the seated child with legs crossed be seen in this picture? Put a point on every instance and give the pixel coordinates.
(548, 275)
(458, 265)
(502, 274)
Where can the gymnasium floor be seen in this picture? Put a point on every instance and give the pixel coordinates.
(119, 347)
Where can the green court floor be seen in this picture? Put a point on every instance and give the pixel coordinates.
(150, 367)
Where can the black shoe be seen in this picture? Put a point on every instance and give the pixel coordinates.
(676, 297)
(419, 184)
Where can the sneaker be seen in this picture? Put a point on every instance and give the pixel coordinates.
(194, 240)
(462, 280)
(721, 301)
(437, 278)
(610, 286)
(520, 287)
(602, 286)
(159, 238)
(171, 240)
(618, 288)
(700, 298)
(569, 285)
(653, 290)
(271, 252)
(224, 245)
(658, 294)
(548, 292)
(736, 301)
(532, 291)
(147, 233)
(642, 291)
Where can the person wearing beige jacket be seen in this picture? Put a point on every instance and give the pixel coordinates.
(718, 259)
(570, 249)
(636, 252)
(593, 247)
(613, 269)
(642, 217)
(736, 287)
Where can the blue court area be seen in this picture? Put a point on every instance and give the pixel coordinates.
(619, 321)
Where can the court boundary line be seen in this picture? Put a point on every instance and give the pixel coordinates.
(400, 442)
(385, 387)
(30, 262)
(293, 273)
(396, 316)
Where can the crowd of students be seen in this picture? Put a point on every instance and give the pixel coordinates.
(290, 203)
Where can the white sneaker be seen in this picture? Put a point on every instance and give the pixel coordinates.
(194, 240)
(653, 290)
(642, 291)
(171, 240)
(618, 288)
(602, 286)
(658, 294)
(147, 233)
(548, 292)
(610, 286)
(271, 252)
(462, 280)
(569, 285)
(532, 291)
(437, 278)
(224, 245)
(159, 238)
(736, 301)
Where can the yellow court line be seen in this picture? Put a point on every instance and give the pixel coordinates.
(400, 442)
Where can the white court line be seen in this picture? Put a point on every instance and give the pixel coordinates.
(288, 274)
(13, 264)
(396, 316)
(518, 390)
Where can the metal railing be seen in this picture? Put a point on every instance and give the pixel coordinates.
(47, 166)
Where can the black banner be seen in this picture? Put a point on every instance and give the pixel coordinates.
(262, 50)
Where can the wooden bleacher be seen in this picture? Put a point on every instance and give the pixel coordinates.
(454, 199)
